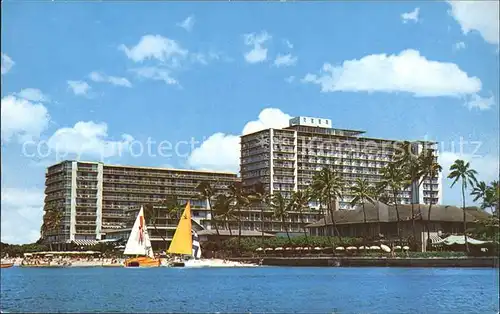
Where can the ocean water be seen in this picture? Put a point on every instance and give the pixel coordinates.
(255, 290)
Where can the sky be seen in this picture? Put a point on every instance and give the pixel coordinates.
(176, 84)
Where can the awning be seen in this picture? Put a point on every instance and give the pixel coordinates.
(109, 240)
(85, 242)
(456, 239)
(435, 239)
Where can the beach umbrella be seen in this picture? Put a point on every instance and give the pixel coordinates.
(288, 248)
(259, 249)
(385, 248)
(278, 249)
(363, 247)
(298, 248)
(397, 247)
(351, 248)
(318, 248)
(374, 247)
(406, 248)
(306, 248)
(268, 249)
(339, 248)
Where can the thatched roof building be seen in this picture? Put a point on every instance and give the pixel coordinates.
(380, 212)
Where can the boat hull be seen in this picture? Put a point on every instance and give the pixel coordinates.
(143, 261)
(6, 265)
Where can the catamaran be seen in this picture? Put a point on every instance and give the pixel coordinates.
(185, 241)
(185, 244)
(139, 244)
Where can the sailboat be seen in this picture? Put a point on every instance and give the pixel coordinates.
(185, 241)
(139, 244)
(186, 244)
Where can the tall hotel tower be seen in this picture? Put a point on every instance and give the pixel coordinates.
(285, 160)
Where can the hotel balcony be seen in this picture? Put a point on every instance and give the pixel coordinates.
(83, 178)
(84, 231)
(85, 222)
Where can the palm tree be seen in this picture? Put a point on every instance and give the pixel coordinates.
(363, 192)
(174, 207)
(410, 162)
(394, 178)
(328, 185)
(479, 190)
(300, 201)
(488, 194)
(151, 212)
(261, 198)
(493, 198)
(281, 207)
(430, 169)
(240, 200)
(461, 170)
(206, 192)
(224, 210)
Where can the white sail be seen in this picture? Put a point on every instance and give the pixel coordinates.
(139, 242)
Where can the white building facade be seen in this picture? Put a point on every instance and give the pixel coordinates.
(285, 160)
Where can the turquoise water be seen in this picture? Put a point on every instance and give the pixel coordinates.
(264, 289)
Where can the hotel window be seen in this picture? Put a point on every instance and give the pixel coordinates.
(312, 120)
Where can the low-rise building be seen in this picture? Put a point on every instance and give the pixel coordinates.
(382, 219)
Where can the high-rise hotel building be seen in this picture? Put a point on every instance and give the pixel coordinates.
(94, 197)
(285, 160)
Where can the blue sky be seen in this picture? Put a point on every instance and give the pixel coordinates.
(88, 78)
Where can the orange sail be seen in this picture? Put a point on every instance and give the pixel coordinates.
(182, 242)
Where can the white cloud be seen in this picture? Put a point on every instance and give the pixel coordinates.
(32, 94)
(256, 41)
(411, 16)
(88, 138)
(480, 103)
(407, 72)
(268, 118)
(22, 212)
(79, 87)
(219, 152)
(205, 58)
(22, 118)
(188, 23)
(222, 151)
(459, 45)
(156, 47)
(156, 73)
(288, 43)
(285, 60)
(114, 80)
(7, 63)
(290, 79)
(480, 16)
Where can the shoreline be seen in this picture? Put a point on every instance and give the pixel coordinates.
(485, 262)
(324, 261)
